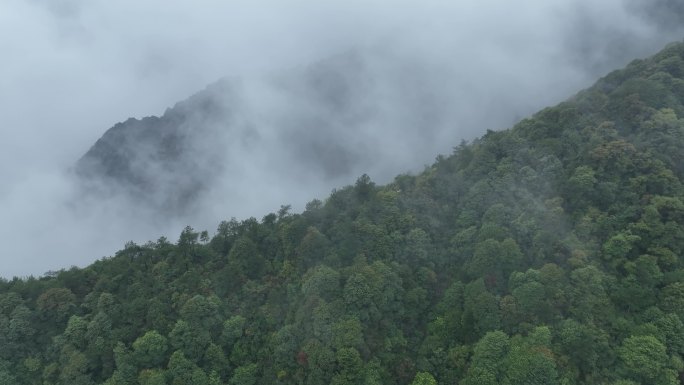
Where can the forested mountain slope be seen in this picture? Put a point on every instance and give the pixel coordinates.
(550, 253)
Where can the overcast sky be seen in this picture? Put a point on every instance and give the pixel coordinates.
(71, 69)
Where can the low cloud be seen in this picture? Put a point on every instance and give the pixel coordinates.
(429, 74)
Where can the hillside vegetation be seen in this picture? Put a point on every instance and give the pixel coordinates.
(550, 253)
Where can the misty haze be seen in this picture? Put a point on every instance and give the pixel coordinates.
(126, 121)
(299, 192)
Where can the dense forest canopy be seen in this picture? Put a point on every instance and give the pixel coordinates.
(550, 253)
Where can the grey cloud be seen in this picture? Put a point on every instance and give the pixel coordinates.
(324, 91)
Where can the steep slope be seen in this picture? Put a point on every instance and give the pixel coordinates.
(550, 253)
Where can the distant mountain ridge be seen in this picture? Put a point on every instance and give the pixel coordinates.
(315, 118)
(152, 157)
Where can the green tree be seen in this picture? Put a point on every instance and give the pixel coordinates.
(76, 330)
(215, 360)
(149, 351)
(6, 378)
(488, 363)
(245, 375)
(586, 346)
(202, 312)
(494, 261)
(645, 358)
(189, 339)
(350, 367)
(321, 281)
(480, 310)
(74, 369)
(672, 298)
(56, 303)
(233, 329)
(246, 258)
(347, 332)
(530, 361)
(589, 299)
(152, 377)
(424, 378)
(182, 371)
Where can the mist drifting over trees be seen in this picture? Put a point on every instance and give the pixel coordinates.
(548, 253)
(418, 77)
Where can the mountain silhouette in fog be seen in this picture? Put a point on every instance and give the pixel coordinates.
(326, 121)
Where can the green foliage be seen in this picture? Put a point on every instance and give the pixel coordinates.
(152, 377)
(645, 358)
(531, 360)
(202, 312)
(233, 329)
(244, 375)
(550, 253)
(56, 303)
(488, 362)
(189, 339)
(424, 378)
(182, 371)
(6, 378)
(323, 282)
(150, 350)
